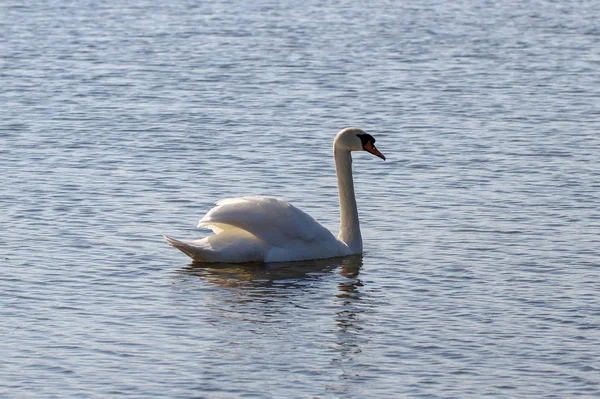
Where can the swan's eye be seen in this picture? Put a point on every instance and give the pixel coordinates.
(366, 139)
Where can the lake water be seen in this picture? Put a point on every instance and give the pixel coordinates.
(122, 121)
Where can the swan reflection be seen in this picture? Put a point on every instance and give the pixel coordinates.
(279, 300)
(276, 275)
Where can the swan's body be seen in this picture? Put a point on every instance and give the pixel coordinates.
(267, 229)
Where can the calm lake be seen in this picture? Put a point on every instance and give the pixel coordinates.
(122, 121)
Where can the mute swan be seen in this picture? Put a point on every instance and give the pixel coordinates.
(267, 229)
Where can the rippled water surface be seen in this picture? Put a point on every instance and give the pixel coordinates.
(122, 121)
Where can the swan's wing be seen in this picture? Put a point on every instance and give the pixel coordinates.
(231, 245)
(273, 220)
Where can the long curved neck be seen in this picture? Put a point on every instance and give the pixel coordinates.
(349, 225)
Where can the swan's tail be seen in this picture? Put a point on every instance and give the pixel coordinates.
(231, 246)
(184, 247)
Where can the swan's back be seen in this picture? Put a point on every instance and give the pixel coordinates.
(289, 233)
(273, 220)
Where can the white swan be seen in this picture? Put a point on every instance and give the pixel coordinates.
(266, 229)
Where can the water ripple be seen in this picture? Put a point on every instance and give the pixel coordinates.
(123, 122)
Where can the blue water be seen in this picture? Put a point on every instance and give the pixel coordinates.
(122, 121)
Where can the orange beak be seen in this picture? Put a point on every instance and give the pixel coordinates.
(370, 147)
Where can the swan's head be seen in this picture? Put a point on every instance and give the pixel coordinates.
(355, 139)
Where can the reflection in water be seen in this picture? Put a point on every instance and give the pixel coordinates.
(348, 322)
(349, 289)
(266, 275)
(299, 289)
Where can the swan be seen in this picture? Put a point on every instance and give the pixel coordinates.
(267, 229)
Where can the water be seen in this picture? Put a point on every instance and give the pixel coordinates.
(123, 121)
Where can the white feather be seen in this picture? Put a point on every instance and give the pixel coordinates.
(273, 220)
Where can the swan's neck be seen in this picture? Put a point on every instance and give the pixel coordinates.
(349, 226)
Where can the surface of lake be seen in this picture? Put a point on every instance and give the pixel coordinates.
(125, 120)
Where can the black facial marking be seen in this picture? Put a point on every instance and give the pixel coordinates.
(366, 138)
